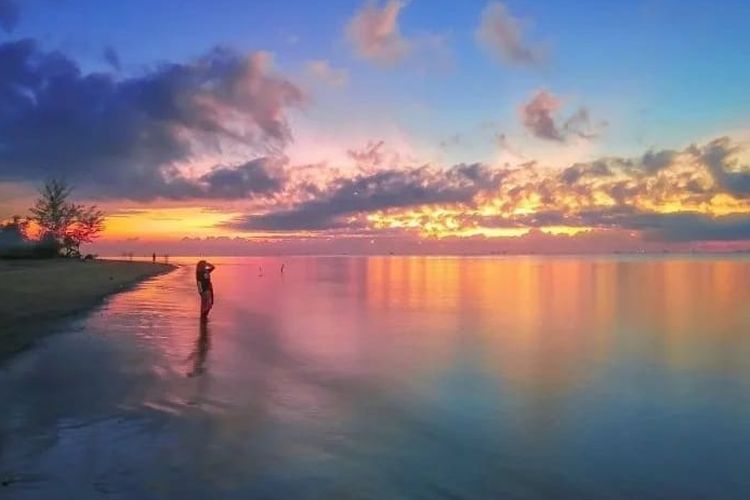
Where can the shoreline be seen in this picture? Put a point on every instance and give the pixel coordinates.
(35, 294)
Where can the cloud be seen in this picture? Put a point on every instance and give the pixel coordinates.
(574, 173)
(502, 35)
(538, 117)
(112, 58)
(664, 227)
(258, 177)
(370, 156)
(674, 227)
(383, 190)
(125, 137)
(718, 156)
(9, 14)
(321, 70)
(654, 161)
(673, 196)
(374, 33)
(255, 179)
(696, 194)
(579, 124)
(700, 227)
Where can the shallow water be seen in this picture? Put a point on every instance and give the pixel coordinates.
(392, 378)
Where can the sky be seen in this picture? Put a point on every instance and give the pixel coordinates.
(238, 127)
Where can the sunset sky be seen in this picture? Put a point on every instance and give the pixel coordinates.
(421, 126)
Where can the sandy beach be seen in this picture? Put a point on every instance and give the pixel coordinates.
(34, 293)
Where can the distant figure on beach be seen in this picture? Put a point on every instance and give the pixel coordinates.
(203, 278)
(153, 257)
(282, 268)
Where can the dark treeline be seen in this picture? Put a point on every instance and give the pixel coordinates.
(55, 227)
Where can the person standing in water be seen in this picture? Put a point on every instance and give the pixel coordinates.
(206, 290)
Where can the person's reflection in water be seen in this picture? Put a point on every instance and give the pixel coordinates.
(200, 353)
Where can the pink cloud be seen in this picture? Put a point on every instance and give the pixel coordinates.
(321, 70)
(502, 35)
(538, 117)
(375, 34)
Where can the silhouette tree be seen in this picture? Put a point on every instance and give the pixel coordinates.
(89, 222)
(52, 211)
(67, 223)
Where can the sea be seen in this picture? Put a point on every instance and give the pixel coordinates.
(614, 377)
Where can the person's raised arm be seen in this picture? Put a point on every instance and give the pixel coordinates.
(210, 267)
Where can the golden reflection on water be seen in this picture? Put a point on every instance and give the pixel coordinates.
(538, 320)
(549, 318)
(543, 325)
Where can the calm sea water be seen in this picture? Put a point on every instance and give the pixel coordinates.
(394, 378)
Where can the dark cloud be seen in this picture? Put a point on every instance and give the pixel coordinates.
(725, 171)
(675, 227)
(538, 117)
(382, 190)
(623, 192)
(124, 137)
(573, 174)
(698, 227)
(311, 218)
(259, 177)
(579, 124)
(112, 58)
(9, 14)
(654, 161)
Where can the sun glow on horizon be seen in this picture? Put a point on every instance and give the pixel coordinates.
(174, 222)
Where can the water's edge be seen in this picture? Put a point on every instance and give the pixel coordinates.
(18, 338)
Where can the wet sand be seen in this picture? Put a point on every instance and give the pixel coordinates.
(34, 293)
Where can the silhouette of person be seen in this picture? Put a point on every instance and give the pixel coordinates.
(153, 257)
(282, 268)
(206, 290)
(202, 346)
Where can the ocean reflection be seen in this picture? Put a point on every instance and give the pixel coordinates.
(389, 377)
(202, 345)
